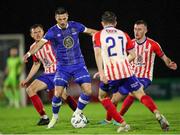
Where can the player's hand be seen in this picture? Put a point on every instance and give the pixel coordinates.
(172, 65)
(103, 78)
(96, 75)
(24, 84)
(26, 56)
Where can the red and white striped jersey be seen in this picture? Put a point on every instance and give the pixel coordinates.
(47, 57)
(114, 44)
(143, 64)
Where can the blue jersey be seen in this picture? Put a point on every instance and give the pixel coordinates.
(65, 43)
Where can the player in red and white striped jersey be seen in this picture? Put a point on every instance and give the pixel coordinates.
(47, 57)
(145, 49)
(110, 46)
(115, 60)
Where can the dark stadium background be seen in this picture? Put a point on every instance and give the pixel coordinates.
(162, 17)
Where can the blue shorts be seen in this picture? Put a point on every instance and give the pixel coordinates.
(145, 82)
(124, 86)
(64, 73)
(48, 79)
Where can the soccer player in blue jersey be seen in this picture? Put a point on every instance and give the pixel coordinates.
(64, 37)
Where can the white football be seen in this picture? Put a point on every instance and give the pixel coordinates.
(78, 121)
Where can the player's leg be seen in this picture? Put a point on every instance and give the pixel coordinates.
(130, 98)
(128, 101)
(16, 93)
(82, 77)
(8, 92)
(116, 97)
(32, 89)
(150, 104)
(69, 100)
(60, 80)
(110, 108)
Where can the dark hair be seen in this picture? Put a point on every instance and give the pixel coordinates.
(141, 22)
(109, 17)
(35, 26)
(60, 10)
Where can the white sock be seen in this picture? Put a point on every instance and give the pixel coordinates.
(44, 116)
(55, 115)
(78, 111)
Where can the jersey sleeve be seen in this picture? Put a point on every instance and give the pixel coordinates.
(130, 45)
(157, 49)
(96, 39)
(35, 59)
(80, 27)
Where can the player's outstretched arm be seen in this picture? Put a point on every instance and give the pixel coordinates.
(90, 31)
(33, 71)
(34, 49)
(169, 63)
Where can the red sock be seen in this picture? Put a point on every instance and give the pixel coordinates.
(111, 109)
(71, 102)
(148, 102)
(38, 104)
(108, 115)
(126, 104)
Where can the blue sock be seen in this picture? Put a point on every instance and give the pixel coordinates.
(56, 103)
(83, 101)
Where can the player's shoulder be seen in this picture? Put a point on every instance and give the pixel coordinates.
(74, 23)
(47, 44)
(152, 42)
(123, 33)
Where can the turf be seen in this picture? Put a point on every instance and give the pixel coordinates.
(23, 120)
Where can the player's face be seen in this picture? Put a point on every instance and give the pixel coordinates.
(13, 52)
(139, 31)
(62, 20)
(37, 33)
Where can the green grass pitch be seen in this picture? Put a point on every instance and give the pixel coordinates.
(141, 120)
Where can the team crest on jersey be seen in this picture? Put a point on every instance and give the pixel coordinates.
(140, 60)
(46, 62)
(68, 42)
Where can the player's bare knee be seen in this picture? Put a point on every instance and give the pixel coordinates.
(58, 92)
(30, 91)
(64, 95)
(88, 92)
(139, 93)
(114, 101)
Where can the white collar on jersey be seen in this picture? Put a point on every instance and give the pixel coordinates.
(61, 28)
(108, 26)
